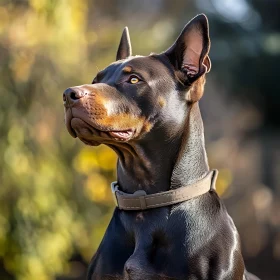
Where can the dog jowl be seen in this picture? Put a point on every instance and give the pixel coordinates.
(166, 224)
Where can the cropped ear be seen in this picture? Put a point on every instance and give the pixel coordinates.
(189, 53)
(124, 49)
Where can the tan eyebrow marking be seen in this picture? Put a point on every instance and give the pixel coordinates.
(127, 69)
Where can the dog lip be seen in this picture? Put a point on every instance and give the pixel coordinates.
(71, 130)
(119, 135)
(68, 118)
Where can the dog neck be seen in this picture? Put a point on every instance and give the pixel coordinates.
(155, 166)
(192, 163)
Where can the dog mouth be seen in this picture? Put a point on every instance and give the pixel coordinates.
(91, 135)
(123, 135)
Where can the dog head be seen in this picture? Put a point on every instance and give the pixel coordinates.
(141, 96)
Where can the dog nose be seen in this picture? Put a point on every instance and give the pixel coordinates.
(71, 95)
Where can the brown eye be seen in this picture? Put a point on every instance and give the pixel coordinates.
(133, 80)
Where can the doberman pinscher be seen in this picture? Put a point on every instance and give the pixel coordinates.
(170, 222)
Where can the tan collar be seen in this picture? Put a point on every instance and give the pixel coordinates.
(141, 201)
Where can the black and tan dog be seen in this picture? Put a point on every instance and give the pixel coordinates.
(170, 222)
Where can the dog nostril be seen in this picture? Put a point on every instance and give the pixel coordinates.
(73, 96)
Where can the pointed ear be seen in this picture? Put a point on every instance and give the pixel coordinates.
(189, 53)
(124, 49)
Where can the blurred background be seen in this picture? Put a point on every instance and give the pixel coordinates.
(55, 200)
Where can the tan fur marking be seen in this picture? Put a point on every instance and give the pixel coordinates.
(147, 126)
(161, 101)
(197, 89)
(98, 114)
(119, 122)
(127, 69)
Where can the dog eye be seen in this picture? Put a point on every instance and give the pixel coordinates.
(133, 80)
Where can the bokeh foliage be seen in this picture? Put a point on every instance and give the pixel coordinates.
(55, 199)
